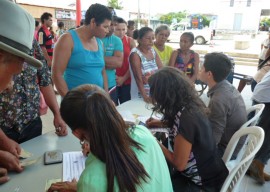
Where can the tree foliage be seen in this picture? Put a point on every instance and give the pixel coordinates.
(167, 18)
(115, 4)
(265, 21)
(205, 21)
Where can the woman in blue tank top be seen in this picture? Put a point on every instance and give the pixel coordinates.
(79, 55)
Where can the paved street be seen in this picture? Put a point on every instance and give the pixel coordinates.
(218, 44)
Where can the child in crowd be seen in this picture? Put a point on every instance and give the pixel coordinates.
(186, 59)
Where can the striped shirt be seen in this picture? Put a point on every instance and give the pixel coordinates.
(45, 39)
(148, 67)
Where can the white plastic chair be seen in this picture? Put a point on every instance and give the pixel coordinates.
(254, 142)
(257, 109)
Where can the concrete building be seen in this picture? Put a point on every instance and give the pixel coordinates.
(240, 15)
(66, 14)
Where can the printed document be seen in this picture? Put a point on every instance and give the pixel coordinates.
(73, 165)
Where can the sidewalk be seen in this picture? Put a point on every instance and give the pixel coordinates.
(228, 46)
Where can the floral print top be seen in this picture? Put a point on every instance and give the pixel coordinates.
(21, 105)
(187, 68)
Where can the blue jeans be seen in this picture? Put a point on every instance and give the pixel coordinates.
(263, 154)
(29, 131)
(123, 93)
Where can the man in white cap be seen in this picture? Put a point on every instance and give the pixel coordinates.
(16, 35)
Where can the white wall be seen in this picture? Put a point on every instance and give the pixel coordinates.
(250, 18)
(225, 19)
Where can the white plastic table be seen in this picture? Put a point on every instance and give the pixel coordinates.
(34, 177)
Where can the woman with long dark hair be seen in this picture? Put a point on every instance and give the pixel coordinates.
(196, 164)
(121, 158)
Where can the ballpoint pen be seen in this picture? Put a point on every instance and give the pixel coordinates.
(151, 114)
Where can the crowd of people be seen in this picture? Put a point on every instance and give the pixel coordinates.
(106, 62)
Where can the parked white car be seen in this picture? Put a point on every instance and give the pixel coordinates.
(202, 36)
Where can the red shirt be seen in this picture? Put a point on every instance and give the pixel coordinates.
(45, 38)
(125, 65)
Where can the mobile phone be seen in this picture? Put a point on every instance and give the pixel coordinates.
(52, 157)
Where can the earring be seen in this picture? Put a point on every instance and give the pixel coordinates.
(82, 142)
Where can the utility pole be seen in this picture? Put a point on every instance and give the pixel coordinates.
(149, 13)
(78, 12)
(139, 16)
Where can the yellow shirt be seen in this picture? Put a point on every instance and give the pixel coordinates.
(164, 55)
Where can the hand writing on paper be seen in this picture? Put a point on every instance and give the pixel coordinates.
(151, 123)
(64, 186)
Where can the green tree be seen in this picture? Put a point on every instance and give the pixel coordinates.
(205, 21)
(265, 21)
(167, 18)
(115, 4)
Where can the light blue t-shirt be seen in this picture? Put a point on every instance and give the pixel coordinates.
(112, 44)
(84, 66)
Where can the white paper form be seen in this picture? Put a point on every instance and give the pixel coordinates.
(127, 116)
(73, 165)
(143, 119)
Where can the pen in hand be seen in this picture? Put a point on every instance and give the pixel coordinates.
(151, 115)
(149, 120)
(154, 123)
